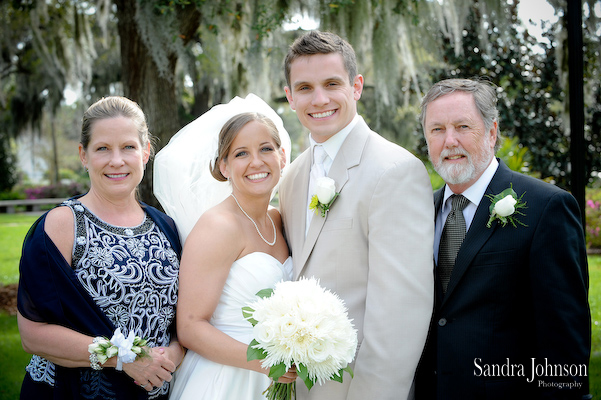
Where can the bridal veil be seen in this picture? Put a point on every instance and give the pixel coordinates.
(182, 182)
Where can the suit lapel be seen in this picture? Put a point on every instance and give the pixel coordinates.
(478, 234)
(348, 157)
(438, 196)
(298, 207)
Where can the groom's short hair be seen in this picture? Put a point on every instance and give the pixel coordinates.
(317, 42)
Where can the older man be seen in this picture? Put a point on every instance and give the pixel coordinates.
(511, 315)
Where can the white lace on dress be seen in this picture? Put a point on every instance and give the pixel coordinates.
(132, 275)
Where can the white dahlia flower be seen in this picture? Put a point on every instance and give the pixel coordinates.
(302, 324)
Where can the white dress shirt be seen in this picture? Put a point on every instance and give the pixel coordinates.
(474, 194)
(331, 147)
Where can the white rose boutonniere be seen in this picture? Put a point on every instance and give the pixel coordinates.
(504, 207)
(325, 195)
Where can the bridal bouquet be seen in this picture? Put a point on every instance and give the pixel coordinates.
(300, 323)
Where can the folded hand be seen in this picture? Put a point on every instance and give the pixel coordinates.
(151, 371)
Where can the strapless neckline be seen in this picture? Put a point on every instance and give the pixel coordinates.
(202, 379)
(254, 253)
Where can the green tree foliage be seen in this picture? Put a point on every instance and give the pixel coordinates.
(531, 92)
(43, 48)
(177, 58)
(7, 169)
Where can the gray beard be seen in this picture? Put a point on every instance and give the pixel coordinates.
(459, 174)
(456, 174)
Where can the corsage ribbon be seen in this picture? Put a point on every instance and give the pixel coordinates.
(124, 345)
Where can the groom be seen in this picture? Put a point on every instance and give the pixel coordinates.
(511, 303)
(374, 246)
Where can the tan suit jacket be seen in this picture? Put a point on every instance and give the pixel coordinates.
(374, 249)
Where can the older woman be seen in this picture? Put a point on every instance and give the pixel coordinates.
(97, 263)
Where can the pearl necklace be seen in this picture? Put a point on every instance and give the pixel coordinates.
(255, 224)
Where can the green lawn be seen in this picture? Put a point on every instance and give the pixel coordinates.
(13, 359)
(595, 304)
(13, 228)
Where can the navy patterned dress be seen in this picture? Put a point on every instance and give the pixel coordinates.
(124, 277)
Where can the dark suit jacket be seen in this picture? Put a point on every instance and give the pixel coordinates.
(517, 296)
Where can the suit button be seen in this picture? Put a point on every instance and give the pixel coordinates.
(442, 322)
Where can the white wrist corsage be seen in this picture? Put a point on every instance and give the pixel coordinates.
(504, 207)
(325, 194)
(127, 349)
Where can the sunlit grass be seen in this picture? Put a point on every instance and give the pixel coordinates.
(13, 359)
(13, 228)
(594, 297)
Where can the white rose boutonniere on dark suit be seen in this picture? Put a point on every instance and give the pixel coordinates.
(505, 207)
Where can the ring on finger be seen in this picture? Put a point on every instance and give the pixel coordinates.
(144, 385)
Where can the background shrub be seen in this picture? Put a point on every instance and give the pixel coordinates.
(593, 218)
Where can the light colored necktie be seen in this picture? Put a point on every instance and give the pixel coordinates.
(317, 171)
(450, 241)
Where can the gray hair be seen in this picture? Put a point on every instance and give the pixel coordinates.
(484, 93)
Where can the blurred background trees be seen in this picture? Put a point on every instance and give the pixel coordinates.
(177, 58)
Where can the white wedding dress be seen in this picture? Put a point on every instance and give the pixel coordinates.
(198, 378)
(186, 189)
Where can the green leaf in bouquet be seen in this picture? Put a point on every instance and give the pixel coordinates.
(247, 312)
(277, 370)
(265, 293)
(303, 373)
(337, 377)
(253, 353)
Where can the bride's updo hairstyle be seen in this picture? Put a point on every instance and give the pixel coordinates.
(228, 134)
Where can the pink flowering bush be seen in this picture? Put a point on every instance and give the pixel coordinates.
(55, 191)
(592, 210)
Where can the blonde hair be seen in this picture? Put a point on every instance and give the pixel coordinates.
(111, 107)
(228, 134)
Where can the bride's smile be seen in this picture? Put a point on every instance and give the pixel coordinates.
(254, 161)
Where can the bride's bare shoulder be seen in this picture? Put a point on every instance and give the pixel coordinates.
(218, 221)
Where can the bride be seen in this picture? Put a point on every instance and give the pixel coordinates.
(235, 249)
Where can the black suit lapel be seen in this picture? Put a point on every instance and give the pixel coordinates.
(438, 196)
(478, 234)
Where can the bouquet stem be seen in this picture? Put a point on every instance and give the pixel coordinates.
(280, 391)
